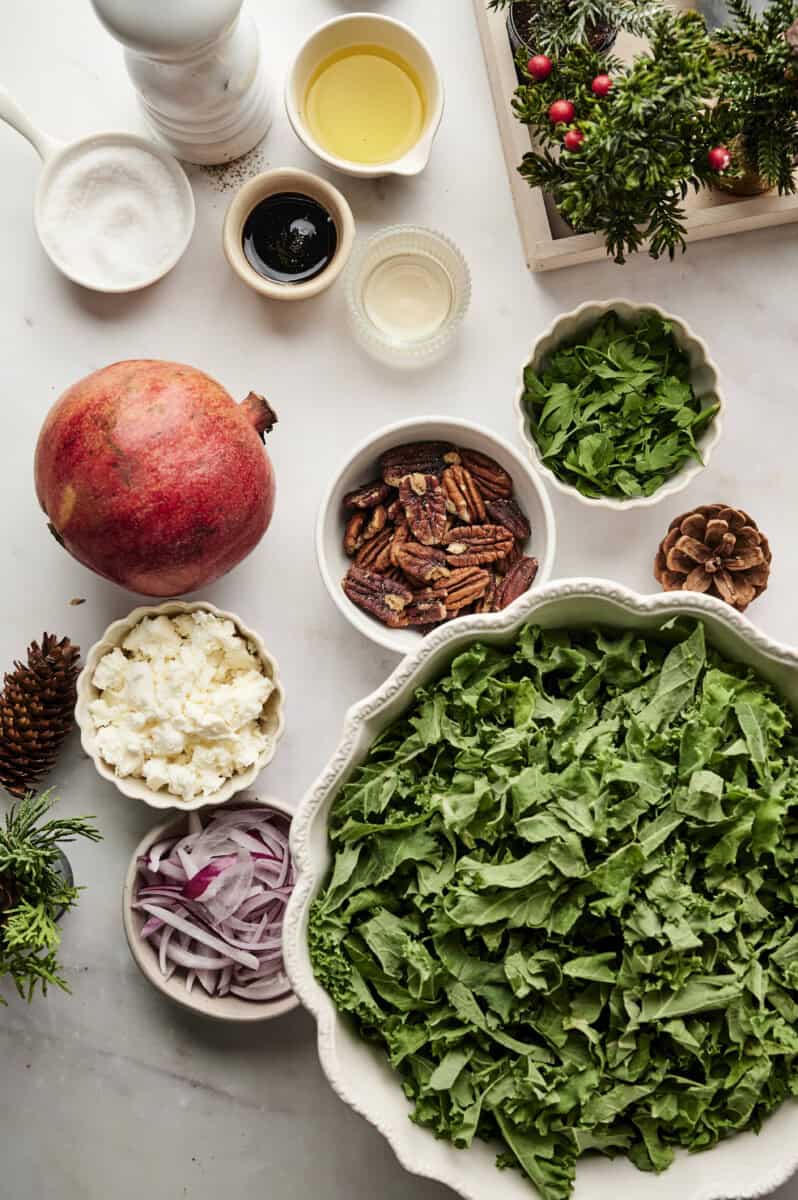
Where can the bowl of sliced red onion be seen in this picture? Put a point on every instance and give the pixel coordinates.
(203, 907)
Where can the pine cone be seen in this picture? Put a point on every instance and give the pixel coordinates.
(718, 550)
(37, 708)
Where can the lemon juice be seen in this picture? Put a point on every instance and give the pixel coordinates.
(365, 104)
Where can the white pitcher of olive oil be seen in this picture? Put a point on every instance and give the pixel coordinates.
(364, 94)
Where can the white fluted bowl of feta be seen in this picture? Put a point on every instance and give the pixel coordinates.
(180, 705)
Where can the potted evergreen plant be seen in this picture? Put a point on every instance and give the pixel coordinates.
(619, 148)
(551, 26)
(36, 888)
(757, 111)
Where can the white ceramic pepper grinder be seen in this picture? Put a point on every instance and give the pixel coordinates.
(196, 66)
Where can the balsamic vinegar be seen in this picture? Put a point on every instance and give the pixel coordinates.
(289, 238)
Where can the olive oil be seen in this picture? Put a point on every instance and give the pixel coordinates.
(365, 104)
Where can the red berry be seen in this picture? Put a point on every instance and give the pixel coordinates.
(601, 85)
(719, 158)
(540, 67)
(573, 139)
(562, 112)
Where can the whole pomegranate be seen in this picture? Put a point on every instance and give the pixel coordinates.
(152, 476)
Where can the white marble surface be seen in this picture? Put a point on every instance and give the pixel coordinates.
(112, 1092)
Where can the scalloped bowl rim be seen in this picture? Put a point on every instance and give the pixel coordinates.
(219, 1008)
(404, 641)
(686, 474)
(136, 789)
(746, 1165)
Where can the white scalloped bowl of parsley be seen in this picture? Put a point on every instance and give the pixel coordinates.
(546, 910)
(619, 404)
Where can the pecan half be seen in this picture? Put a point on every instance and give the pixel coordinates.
(424, 612)
(463, 497)
(422, 563)
(384, 598)
(416, 458)
(475, 544)
(488, 602)
(492, 480)
(517, 581)
(368, 496)
(507, 513)
(377, 521)
(401, 534)
(353, 534)
(425, 507)
(376, 554)
(461, 588)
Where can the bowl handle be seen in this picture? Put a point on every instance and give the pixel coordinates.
(12, 114)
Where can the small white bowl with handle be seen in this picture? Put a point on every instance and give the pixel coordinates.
(60, 159)
(366, 29)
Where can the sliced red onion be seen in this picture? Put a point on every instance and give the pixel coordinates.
(215, 899)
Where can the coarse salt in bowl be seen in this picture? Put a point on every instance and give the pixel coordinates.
(272, 720)
(113, 211)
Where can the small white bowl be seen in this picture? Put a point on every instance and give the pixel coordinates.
(145, 956)
(361, 466)
(704, 377)
(273, 718)
(271, 183)
(358, 29)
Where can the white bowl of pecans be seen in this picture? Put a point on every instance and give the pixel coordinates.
(429, 520)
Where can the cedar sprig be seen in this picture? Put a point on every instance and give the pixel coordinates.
(33, 892)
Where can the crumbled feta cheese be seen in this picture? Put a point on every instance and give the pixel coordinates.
(180, 704)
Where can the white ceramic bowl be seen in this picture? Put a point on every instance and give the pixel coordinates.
(145, 956)
(361, 466)
(745, 1165)
(273, 719)
(372, 29)
(704, 378)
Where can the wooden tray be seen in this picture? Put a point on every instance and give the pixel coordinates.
(548, 242)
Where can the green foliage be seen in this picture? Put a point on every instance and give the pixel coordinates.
(563, 23)
(615, 414)
(645, 144)
(33, 891)
(757, 115)
(564, 901)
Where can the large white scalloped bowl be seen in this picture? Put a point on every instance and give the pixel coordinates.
(704, 377)
(744, 1166)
